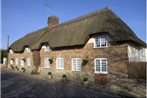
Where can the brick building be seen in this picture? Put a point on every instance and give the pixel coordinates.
(90, 46)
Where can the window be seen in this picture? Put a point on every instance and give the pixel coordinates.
(46, 48)
(28, 50)
(28, 62)
(16, 61)
(11, 51)
(22, 62)
(100, 65)
(100, 41)
(76, 64)
(60, 63)
(47, 63)
(11, 61)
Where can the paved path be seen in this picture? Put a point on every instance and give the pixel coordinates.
(19, 85)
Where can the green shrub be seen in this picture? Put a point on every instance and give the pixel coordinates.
(85, 79)
(34, 72)
(23, 69)
(12, 66)
(64, 76)
(49, 73)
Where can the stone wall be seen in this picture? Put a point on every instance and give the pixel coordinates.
(20, 56)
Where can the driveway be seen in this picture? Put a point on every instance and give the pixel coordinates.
(20, 85)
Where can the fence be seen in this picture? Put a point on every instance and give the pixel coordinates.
(136, 70)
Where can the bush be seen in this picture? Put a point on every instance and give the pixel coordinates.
(49, 73)
(3, 54)
(23, 69)
(12, 66)
(34, 72)
(64, 76)
(85, 79)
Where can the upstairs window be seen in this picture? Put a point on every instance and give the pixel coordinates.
(76, 64)
(46, 48)
(100, 65)
(60, 63)
(28, 50)
(100, 42)
(11, 51)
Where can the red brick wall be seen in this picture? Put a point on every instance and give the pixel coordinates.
(23, 55)
(116, 56)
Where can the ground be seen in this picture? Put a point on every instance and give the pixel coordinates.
(22, 85)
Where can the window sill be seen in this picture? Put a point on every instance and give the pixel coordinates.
(99, 47)
(76, 70)
(60, 68)
(46, 67)
(101, 72)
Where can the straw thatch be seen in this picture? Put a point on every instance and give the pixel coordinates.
(77, 31)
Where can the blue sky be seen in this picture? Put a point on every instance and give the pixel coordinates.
(20, 17)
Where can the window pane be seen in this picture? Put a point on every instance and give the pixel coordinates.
(97, 41)
(60, 63)
(98, 65)
(47, 63)
(76, 64)
(104, 65)
(16, 61)
(101, 65)
(103, 41)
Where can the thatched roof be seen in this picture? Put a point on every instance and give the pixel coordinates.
(77, 31)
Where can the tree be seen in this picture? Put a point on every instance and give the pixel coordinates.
(3, 54)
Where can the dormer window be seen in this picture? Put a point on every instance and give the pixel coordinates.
(11, 51)
(46, 48)
(100, 41)
(28, 50)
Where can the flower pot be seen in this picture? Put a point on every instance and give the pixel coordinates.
(85, 83)
(64, 79)
(49, 76)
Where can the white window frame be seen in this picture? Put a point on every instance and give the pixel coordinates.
(28, 61)
(46, 63)
(100, 72)
(100, 38)
(16, 61)
(59, 63)
(46, 48)
(28, 50)
(11, 61)
(22, 62)
(11, 51)
(76, 64)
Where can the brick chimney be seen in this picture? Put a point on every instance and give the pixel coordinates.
(52, 21)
